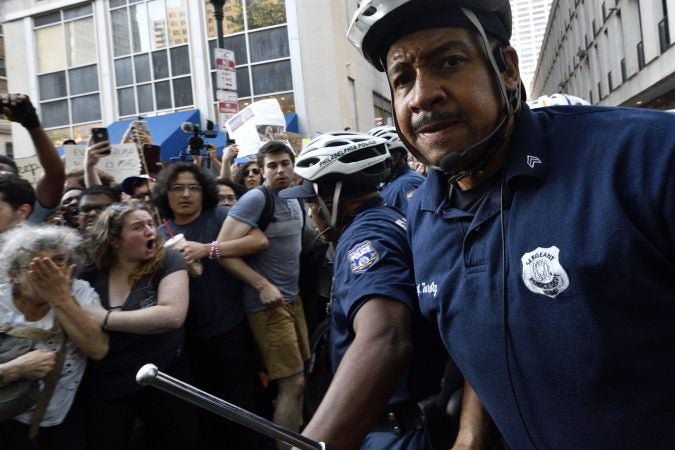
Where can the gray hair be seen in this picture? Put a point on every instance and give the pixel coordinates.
(22, 243)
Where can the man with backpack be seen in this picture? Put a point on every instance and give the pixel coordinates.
(271, 299)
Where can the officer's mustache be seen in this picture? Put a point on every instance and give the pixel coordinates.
(431, 117)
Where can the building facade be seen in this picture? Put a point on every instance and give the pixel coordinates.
(529, 25)
(88, 64)
(5, 126)
(610, 52)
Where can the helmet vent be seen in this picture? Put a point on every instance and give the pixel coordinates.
(370, 11)
(309, 162)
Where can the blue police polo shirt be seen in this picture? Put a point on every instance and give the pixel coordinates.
(372, 258)
(577, 334)
(399, 191)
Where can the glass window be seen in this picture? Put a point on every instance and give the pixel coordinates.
(123, 71)
(114, 3)
(142, 67)
(77, 11)
(233, 21)
(182, 91)
(86, 108)
(3, 86)
(157, 16)
(54, 114)
(47, 19)
(272, 77)
(82, 80)
(286, 101)
(265, 13)
(119, 19)
(82, 39)
(125, 101)
(160, 64)
(243, 82)
(269, 44)
(52, 85)
(140, 29)
(176, 20)
(145, 102)
(51, 49)
(180, 60)
(59, 135)
(163, 95)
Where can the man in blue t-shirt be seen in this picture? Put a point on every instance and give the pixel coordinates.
(385, 357)
(218, 341)
(543, 241)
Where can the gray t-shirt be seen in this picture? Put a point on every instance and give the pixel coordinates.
(280, 263)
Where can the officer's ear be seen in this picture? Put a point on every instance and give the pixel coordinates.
(511, 72)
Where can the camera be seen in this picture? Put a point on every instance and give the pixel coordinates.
(196, 143)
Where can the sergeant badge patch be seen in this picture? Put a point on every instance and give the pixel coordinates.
(362, 257)
(542, 272)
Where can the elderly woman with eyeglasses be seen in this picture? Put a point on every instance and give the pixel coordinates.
(144, 293)
(40, 296)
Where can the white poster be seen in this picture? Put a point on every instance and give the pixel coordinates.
(122, 162)
(30, 169)
(260, 122)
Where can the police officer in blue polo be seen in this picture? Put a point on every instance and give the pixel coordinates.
(401, 182)
(384, 356)
(543, 241)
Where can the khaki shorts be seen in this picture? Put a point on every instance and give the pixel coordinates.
(281, 334)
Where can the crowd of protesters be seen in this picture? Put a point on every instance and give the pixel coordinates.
(157, 270)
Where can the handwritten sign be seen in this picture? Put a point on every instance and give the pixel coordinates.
(30, 169)
(123, 161)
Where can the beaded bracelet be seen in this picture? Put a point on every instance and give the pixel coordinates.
(214, 253)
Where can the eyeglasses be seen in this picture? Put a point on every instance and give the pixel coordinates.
(246, 172)
(180, 188)
(229, 198)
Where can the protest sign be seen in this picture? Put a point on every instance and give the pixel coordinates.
(123, 160)
(30, 169)
(260, 122)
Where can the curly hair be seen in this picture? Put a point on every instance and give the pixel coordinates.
(102, 237)
(168, 176)
(24, 242)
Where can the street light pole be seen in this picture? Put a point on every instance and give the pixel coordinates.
(219, 16)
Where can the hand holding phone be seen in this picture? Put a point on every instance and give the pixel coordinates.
(99, 135)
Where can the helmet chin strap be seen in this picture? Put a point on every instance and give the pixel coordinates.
(332, 223)
(450, 163)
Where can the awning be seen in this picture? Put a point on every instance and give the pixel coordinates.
(165, 130)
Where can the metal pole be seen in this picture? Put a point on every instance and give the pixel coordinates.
(151, 376)
(219, 16)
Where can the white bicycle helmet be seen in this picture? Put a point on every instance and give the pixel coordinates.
(355, 158)
(339, 163)
(556, 100)
(379, 23)
(389, 133)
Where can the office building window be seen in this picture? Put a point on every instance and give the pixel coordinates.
(67, 72)
(382, 110)
(151, 56)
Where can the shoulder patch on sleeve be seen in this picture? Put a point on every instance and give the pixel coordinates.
(362, 257)
(401, 223)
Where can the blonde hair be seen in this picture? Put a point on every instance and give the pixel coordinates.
(102, 237)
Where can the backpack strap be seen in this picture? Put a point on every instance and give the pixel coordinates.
(268, 210)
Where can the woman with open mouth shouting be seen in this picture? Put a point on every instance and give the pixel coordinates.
(144, 294)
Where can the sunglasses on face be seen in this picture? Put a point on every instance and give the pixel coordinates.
(246, 172)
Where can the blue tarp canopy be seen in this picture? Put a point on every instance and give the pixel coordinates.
(166, 131)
